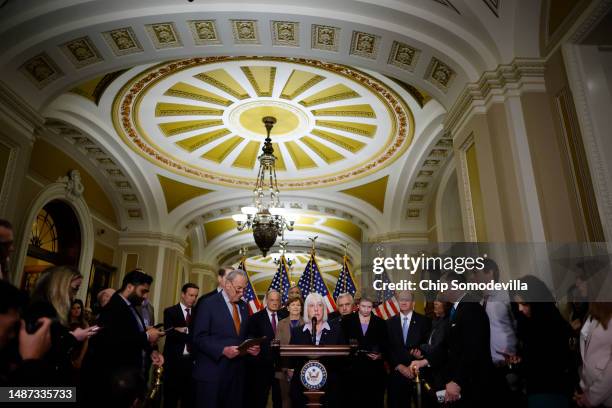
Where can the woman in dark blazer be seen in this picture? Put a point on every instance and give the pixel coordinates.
(370, 333)
(325, 333)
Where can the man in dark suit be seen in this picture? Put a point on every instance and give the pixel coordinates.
(123, 341)
(470, 370)
(345, 304)
(220, 326)
(405, 331)
(178, 362)
(261, 368)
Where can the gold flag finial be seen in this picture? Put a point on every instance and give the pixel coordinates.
(313, 242)
(345, 246)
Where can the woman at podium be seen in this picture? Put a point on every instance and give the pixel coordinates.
(316, 330)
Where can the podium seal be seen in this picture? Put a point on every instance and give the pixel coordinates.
(313, 375)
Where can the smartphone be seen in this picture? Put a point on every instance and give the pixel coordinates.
(168, 329)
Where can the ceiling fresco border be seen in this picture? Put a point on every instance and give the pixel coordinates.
(130, 94)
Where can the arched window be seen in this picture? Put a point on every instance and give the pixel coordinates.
(55, 240)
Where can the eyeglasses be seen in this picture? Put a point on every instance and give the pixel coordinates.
(237, 289)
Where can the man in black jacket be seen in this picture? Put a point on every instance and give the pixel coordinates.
(261, 367)
(470, 370)
(406, 331)
(178, 362)
(123, 341)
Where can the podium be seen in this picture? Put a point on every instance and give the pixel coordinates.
(314, 374)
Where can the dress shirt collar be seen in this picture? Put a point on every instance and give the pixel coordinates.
(309, 327)
(184, 308)
(270, 314)
(225, 296)
(409, 315)
(127, 302)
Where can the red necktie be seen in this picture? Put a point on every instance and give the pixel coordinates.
(236, 318)
(274, 322)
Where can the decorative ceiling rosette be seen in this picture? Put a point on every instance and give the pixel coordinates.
(201, 118)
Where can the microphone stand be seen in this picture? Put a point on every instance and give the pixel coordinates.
(314, 330)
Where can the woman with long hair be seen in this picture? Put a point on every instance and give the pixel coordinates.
(52, 298)
(596, 352)
(78, 321)
(544, 353)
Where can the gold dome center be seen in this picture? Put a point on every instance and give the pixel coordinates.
(286, 121)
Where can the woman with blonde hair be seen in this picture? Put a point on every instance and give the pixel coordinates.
(52, 298)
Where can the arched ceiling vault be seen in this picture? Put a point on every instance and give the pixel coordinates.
(52, 46)
(173, 95)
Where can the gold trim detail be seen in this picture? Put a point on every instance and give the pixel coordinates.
(221, 79)
(262, 81)
(126, 124)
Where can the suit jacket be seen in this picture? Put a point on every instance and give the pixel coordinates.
(213, 331)
(196, 307)
(283, 330)
(260, 325)
(469, 355)
(375, 338)
(418, 333)
(328, 337)
(121, 341)
(175, 341)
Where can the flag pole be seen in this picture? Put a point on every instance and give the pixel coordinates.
(312, 254)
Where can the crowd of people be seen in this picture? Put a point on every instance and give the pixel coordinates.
(467, 350)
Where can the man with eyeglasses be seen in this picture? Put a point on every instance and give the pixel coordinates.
(220, 326)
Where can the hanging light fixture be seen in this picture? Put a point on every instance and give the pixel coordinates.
(266, 217)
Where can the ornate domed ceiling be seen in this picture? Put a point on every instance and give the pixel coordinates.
(201, 118)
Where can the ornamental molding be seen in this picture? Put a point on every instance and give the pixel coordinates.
(15, 110)
(522, 75)
(418, 237)
(156, 239)
(599, 11)
(72, 185)
(402, 122)
(597, 163)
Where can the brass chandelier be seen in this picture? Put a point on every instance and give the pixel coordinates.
(266, 217)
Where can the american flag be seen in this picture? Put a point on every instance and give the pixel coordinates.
(345, 283)
(249, 296)
(388, 306)
(280, 281)
(312, 281)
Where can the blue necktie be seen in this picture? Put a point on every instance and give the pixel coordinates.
(405, 328)
(453, 312)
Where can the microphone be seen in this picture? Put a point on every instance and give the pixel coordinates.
(314, 330)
